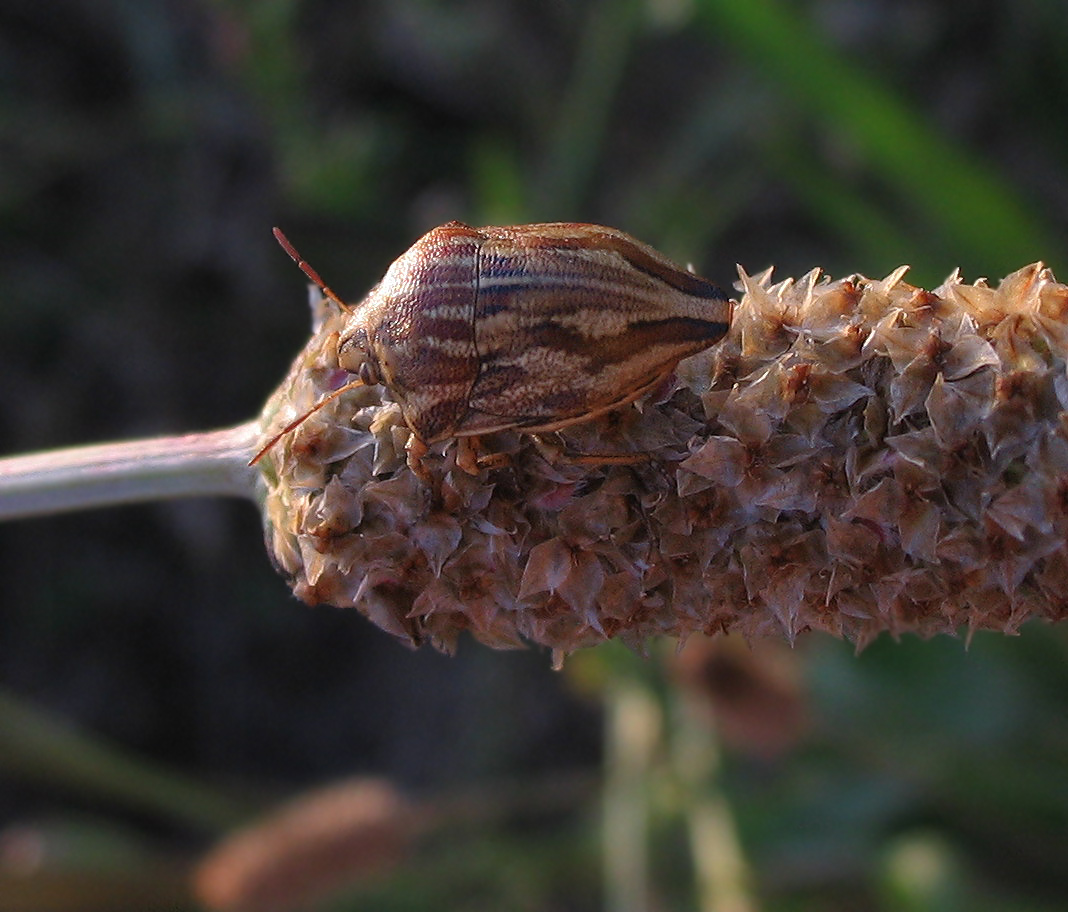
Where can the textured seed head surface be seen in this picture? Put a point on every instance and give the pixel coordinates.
(856, 456)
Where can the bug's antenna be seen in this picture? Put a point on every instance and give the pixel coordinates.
(306, 268)
(297, 422)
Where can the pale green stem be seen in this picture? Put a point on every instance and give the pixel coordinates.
(633, 731)
(723, 877)
(211, 464)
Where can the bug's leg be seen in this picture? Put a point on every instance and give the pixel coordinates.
(494, 460)
(467, 457)
(607, 458)
(416, 450)
(472, 459)
(557, 454)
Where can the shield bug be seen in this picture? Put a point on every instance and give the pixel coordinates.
(525, 327)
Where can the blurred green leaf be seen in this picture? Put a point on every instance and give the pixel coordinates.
(987, 222)
(36, 747)
(497, 184)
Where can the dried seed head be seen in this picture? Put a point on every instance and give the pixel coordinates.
(752, 695)
(331, 838)
(855, 456)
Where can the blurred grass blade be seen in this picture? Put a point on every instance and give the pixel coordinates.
(35, 746)
(875, 239)
(981, 215)
(576, 142)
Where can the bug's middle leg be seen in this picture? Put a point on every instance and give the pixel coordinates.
(558, 454)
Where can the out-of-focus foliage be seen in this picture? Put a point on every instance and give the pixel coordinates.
(146, 149)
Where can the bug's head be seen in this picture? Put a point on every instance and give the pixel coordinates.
(358, 346)
(389, 336)
(363, 348)
(358, 350)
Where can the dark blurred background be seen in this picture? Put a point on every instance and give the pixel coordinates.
(146, 150)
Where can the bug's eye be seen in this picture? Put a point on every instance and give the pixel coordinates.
(352, 351)
(368, 374)
(354, 357)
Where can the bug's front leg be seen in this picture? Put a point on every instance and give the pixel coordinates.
(416, 450)
(468, 456)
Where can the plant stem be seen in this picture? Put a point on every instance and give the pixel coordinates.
(633, 732)
(214, 463)
(719, 861)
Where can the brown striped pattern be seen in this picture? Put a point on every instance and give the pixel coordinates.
(571, 319)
